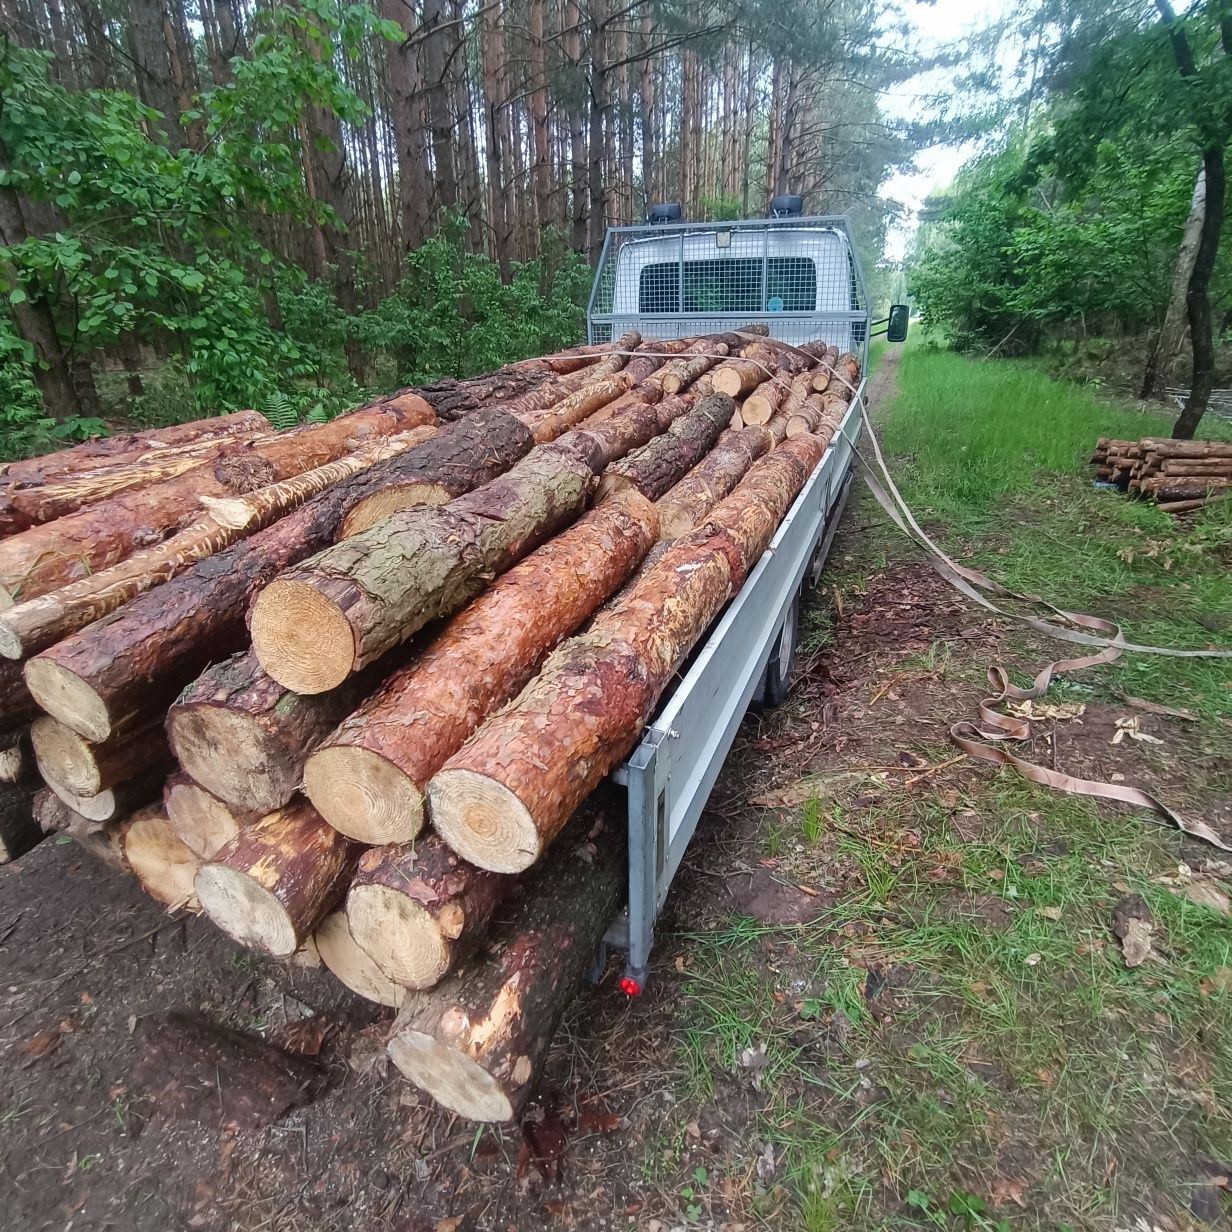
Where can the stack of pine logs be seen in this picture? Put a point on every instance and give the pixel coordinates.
(346, 689)
(1180, 476)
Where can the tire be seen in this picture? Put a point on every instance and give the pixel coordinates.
(782, 660)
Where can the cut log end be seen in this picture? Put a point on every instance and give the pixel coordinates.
(66, 696)
(245, 911)
(483, 821)
(11, 646)
(351, 965)
(64, 758)
(228, 753)
(387, 501)
(162, 863)
(402, 938)
(301, 638)
(450, 1078)
(364, 796)
(203, 822)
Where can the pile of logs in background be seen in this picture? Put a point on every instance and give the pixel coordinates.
(1180, 475)
(346, 689)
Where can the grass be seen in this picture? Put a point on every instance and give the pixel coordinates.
(957, 1042)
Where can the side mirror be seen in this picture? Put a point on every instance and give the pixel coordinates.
(896, 327)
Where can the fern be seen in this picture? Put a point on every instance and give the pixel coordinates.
(280, 411)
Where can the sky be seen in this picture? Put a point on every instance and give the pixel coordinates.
(931, 25)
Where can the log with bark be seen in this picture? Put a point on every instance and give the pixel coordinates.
(31, 504)
(351, 965)
(688, 502)
(461, 457)
(502, 798)
(52, 555)
(550, 422)
(341, 610)
(203, 822)
(680, 373)
(368, 778)
(160, 861)
(104, 840)
(420, 910)
(275, 881)
(245, 737)
(121, 800)
(29, 627)
(17, 704)
(760, 406)
(79, 767)
(581, 356)
(477, 1042)
(738, 377)
(134, 661)
(664, 461)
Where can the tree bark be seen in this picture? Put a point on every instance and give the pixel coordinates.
(368, 778)
(30, 627)
(272, 884)
(347, 606)
(700, 357)
(79, 768)
(478, 1041)
(1172, 331)
(46, 557)
(420, 910)
(553, 420)
(688, 502)
(632, 424)
(203, 822)
(664, 461)
(461, 457)
(505, 795)
(136, 660)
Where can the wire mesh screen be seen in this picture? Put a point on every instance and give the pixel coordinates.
(797, 276)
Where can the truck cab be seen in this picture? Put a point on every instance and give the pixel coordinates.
(670, 278)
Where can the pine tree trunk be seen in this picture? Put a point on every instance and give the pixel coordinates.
(505, 795)
(333, 615)
(477, 1042)
(368, 778)
(272, 884)
(686, 505)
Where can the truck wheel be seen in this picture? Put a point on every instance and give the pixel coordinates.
(782, 658)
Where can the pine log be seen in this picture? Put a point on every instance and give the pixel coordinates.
(1180, 488)
(505, 795)
(452, 399)
(344, 608)
(67, 494)
(368, 778)
(80, 768)
(54, 816)
(19, 831)
(131, 445)
(759, 407)
(52, 555)
(203, 822)
(136, 660)
(1184, 449)
(160, 861)
(245, 737)
(351, 965)
(420, 910)
(274, 882)
(711, 479)
(463, 456)
(477, 1042)
(550, 422)
(700, 357)
(1217, 468)
(738, 377)
(657, 466)
(30, 627)
(587, 353)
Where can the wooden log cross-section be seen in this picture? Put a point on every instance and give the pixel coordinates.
(477, 1042)
(274, 882)
(160, 861)
(368, 777)
(80, 768)
(342, 609)
(502, 798)
(203, 822)
(56, 553)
